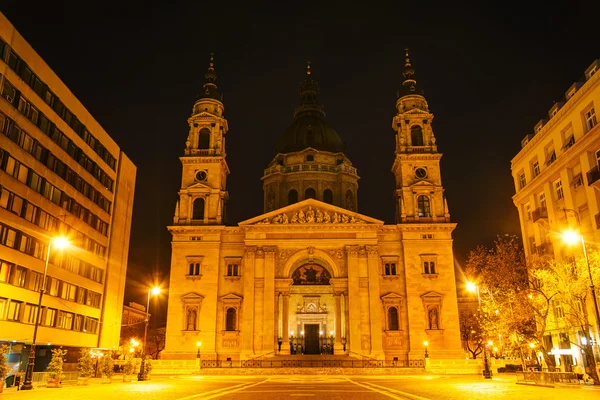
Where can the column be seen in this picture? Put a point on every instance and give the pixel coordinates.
(338, 348)
(248, 314)
(374, 301)
(354, 344)
(269, 336)
(285, 346)
(259, 304)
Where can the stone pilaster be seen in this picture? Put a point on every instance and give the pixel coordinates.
(354, 339)
(374, 302)
(248, 314)
(270, 338)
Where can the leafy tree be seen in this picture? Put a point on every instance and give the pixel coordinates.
(470, 331)
(86, 364)
(156, 342)
(107, 364)
(55, 367)
(129, 366)
(3, 362)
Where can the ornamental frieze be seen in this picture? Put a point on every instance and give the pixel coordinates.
(312, 215)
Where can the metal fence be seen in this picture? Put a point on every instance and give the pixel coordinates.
(547, 378)
(278, 363)
(41, 378)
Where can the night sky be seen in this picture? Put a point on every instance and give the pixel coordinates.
(489, 74)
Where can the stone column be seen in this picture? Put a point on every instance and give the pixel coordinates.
(338, 348)
(374, 301)
(189, 209)
(247, 326)
(259, 304)
(285, 345)
(269, 336)
(353, 344)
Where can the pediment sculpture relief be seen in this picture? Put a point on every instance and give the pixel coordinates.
(312, 215)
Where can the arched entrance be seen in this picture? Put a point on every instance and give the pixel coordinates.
(311, 310)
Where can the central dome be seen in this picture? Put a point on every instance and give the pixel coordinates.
(309, 129)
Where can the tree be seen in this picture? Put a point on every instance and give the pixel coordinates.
(107, 365)
(3, 365)
(470, 331)
(156, 342)
(86, 364)
(569, 284)
(500, 274)
(55, 367)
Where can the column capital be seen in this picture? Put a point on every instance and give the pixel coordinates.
(372, 250)
(352, 250)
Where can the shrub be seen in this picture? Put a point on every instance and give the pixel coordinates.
(3, 362)
(86, 364)
(107, 365)
(128, 367)
(55, 368)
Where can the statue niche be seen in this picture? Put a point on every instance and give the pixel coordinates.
(311, 274)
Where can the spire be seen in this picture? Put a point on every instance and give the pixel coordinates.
(409, 84)
(210, 90)
(308, 94)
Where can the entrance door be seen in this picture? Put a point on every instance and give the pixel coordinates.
(311, 339)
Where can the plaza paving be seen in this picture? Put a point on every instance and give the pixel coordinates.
(415, 387)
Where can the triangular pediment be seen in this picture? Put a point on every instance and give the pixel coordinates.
(422, 183)
(192, 297)
(392, 296)
(197, 185)
(432, 294)
(311, 211)
(232, 296)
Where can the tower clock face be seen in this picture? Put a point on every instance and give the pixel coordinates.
(201, 175)
(420, 173)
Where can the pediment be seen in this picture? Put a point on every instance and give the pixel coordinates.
(392, 296)
(197, 185)
(422, 182)
(232, 297)
(311, 211)
(192, 297)
(432, 295)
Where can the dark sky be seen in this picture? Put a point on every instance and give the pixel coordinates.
(489, 73)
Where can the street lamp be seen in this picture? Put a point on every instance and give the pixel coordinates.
(60, 243)
(487, 373)
(198, 345)
(154, 291)
(572, 237)
(426, 343)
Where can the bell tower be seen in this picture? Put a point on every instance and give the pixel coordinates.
(203, 195)
(419, 193)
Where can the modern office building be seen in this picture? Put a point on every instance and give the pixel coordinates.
(311, 275)
(557, 181)
(60, 174)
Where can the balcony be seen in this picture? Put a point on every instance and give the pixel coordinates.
(545, 249)
(593, 177)
(311, 167)
(539, 214)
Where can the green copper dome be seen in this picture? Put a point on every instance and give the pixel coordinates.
(309, 128)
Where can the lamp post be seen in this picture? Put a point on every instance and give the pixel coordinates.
(332, 340)
(198, 345)
(426, 343)
(572, 237)
(141, 375)
(487, 373)
(59, 243)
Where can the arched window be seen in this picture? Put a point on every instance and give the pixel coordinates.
(349, 200)
(198, 212)
(416, 135)
(310, 193)
(204, 139)
(292, 196)
(328, 196)
(423, 206)
(393, 319)
(231, 319)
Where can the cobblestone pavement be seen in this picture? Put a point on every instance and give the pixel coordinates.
(416, 387)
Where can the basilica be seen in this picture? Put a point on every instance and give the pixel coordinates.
(311, 275)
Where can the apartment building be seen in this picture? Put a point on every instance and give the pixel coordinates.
(60, 174)
(557, 181)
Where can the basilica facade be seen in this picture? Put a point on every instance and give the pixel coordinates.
(311, 274)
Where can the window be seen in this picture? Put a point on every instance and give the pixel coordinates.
(3, 307)
(416, 135)
(14, 310)
(50, 317)
(204, 139)
(35, 280)
(52, 286)
(535, 168)
(590, 119)
(522, 181)
(328, 196)
(93, 299)
(390, 268)
(233, 269)
(230, 324)
(65, 320)
(393, 319)
(429, 264)
(310, 157)
(310, 193)
(559, 190)
(292, 196)
(558, 310)
(423, 206)
(570, 141)
(194, 269)
(78, 323)
(527, 212)
(30, 313)
(17, 276)
(198, 212)
(90, 325)
(4, 271)
(577, 181)
(68, 291)
(542, 198)
(550, 156)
